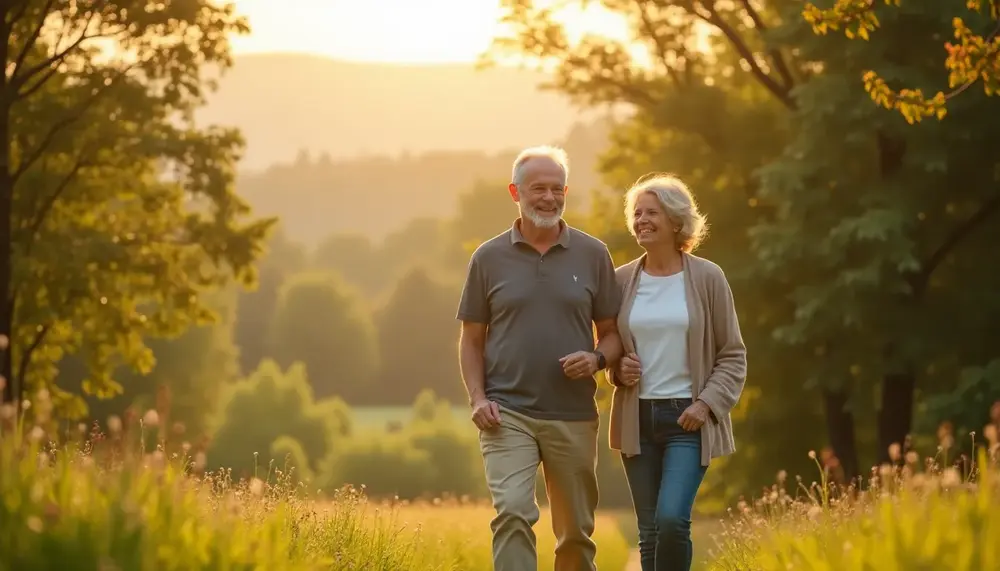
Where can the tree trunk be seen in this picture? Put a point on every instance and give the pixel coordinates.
(12, 388)
(896, 413)
(840, 431)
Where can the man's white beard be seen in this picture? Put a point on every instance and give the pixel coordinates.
(542, 221)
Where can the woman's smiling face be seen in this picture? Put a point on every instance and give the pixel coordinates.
(650, 223)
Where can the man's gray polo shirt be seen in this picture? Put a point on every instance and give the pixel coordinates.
(539, 308)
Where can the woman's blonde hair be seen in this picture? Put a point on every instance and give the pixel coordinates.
(677, 201)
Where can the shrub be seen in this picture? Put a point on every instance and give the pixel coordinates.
(271, 406)
(423, 460)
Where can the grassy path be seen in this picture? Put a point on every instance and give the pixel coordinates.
(702, 530)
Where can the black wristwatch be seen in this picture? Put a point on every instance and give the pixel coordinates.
(602, 363)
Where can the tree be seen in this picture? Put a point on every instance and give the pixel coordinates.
(972, 58)
(255, 308)
(881, 224)
(417, 335)
(271, 414)
(117, 214)
(322, 323)
(192, 372)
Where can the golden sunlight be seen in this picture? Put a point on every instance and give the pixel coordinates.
(398, 31)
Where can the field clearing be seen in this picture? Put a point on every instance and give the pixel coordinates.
(463, 533)
(379, 417)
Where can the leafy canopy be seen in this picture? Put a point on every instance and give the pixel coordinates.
(973, 56)
(122, 209)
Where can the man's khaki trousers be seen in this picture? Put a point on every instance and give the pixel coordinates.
(567, 452)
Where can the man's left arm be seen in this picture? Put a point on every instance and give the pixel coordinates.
(605, 315)
(607, 303)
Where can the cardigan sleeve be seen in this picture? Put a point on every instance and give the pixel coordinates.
(725, 382)
(622, 274)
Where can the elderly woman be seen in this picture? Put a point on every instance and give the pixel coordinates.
(683, 369)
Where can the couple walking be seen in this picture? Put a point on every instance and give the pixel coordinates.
(667, 336)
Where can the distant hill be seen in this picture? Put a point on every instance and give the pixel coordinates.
(287, 102)
(316, 195)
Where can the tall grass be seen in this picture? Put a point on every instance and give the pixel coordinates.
(912, 515)
(104, 502)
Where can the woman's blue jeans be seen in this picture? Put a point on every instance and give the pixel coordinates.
(664, 480)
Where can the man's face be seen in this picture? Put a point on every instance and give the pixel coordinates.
(541, 194)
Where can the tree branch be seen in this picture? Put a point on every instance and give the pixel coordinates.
(50, 200)
(779, 60)
(32, 39)
(65, 122)
(661, 48)
(22, 369)
(920, 280)
(712, 16)
(20, 13)
(38, 85)
(18, 79)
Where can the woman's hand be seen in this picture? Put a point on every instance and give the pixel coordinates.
(629, 369)
(694, 416)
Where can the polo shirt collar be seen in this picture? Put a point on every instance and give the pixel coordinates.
(516, 236)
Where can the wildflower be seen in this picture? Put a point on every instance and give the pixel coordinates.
(894, 452)
(36, 434)
(812, 454)
(946, 435)
(912, 457)
(4, 342)
(814, 512)
(35, 524)
(782, 476)
(151, 418)
(158, 459)
(990, 432)
(7, 411)
(114, 424)
(950, 478)
(199, 462)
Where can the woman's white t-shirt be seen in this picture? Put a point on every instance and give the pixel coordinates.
(659, 324)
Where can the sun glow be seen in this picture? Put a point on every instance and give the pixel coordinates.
(398, 31)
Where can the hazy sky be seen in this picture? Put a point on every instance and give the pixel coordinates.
(403, 31)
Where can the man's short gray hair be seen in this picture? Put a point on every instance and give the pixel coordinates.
(677, 200)
(556, 154)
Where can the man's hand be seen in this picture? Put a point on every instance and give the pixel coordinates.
(579, 365)
(694, 416)
(485, 414)
(629, 369)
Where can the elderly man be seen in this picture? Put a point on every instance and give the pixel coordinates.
(532, 298)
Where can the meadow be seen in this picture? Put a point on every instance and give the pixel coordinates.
(76, 498)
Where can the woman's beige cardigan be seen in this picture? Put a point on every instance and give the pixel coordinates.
(716, 356)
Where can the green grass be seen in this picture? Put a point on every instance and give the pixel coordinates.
(104, 504)
(907, 519)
